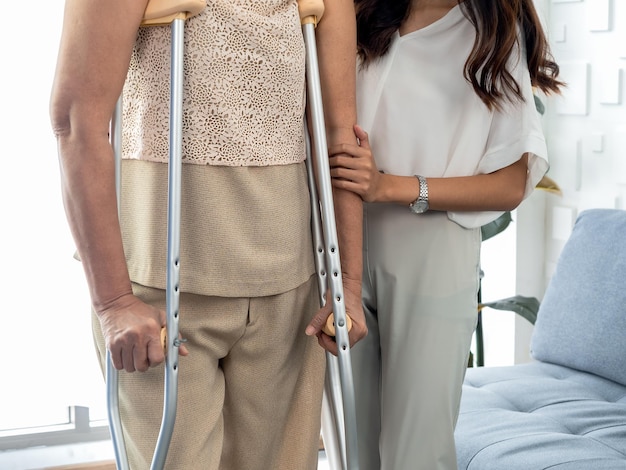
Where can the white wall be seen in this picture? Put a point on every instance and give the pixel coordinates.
(586, 136)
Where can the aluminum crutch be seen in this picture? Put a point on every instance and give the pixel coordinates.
(342, 402)
(159, 12)
(333, 428)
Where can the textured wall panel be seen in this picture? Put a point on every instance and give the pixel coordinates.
(563, 219)
(575, 98)
(565, 162)
(619, 156)
(559, 33)
(593, 199)
(610, 78)
(597, 142)
(598, 15)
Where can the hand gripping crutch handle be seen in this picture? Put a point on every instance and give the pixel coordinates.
(310, 13)
(329, 326)
(160, 12)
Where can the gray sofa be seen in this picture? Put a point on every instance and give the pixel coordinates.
(566, 410)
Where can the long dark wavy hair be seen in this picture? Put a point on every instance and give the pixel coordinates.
(496, 23)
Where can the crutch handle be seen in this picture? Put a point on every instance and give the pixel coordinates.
(164, 339)
(329, 327)
(162, 12)
(311, 11)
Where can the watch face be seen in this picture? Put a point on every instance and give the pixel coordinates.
(419, 207)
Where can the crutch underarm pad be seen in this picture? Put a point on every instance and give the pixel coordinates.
(162, 12)
(311, 11)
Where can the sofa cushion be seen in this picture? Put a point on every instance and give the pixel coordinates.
(581, 322)
(540, 416)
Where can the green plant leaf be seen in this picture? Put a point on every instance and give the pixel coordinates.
(539, 105)
(526, 307)
(493, 228)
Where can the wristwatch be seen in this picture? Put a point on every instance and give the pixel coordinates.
(420, 205)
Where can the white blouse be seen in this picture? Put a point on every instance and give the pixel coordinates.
(423, 117)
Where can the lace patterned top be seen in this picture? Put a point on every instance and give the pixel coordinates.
(244, 92)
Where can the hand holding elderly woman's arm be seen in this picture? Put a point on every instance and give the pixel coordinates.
(353, 168)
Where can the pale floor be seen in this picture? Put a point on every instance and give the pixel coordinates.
(45, 457)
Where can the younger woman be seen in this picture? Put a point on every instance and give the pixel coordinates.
(445, 91)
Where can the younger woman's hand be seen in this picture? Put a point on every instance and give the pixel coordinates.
(352, 168)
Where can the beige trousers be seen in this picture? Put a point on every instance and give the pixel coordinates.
(249, 392)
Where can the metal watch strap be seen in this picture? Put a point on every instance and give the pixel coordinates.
(420, 205)
(423, 188)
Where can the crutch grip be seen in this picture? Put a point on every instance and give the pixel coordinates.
(311, 11)
(164, 339)
(162, 12)
(329, 327)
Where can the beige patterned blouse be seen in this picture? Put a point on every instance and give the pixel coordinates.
(244, 87)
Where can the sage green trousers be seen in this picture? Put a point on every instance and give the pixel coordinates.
(420, 284)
